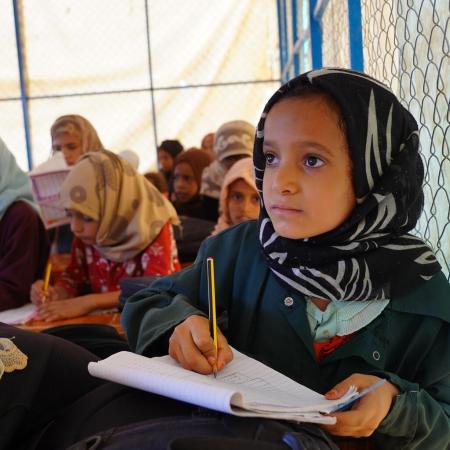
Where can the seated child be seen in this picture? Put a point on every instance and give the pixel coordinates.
(73, 135)
(239, 199)
(328, 286)
(167, 152)
(187, 175)
(122, 227)
(232, 141)
(24, 243)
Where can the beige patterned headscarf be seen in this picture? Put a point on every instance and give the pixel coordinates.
(130, 211)
(75, 124)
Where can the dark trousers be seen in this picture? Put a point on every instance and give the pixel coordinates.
(56, 375)
(114, 417)
(55, 404)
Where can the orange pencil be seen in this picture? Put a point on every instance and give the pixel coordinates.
(48, 271)
(212, 305)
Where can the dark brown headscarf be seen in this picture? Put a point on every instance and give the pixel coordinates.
(197, 159)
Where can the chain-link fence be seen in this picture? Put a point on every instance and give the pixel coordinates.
(335, 41)
(141, 71)
(405, 44)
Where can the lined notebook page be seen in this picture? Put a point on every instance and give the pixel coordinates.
(266, 389)
(163, 376)
(244, 387)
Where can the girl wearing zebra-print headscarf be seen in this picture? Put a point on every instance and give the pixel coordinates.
(350, 240)
(340, 178)
(328, 286)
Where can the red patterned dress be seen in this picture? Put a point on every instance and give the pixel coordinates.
(90, 272)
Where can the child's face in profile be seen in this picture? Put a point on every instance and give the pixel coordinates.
(184, 183)
(243, 202)
(70, 145)
(307, 184)
(208, 142)
(165, 160)
(83, 227)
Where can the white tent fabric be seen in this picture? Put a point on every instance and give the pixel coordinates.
(84, 57)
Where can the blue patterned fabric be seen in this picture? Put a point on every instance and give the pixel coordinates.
(14, 183)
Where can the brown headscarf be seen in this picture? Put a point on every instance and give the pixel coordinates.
(130, 211)
(75, 124)
(197, 159)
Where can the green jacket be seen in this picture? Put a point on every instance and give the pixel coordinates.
(409, 343)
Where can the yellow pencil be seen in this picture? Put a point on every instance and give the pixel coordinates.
(212, 305)
(48, 271)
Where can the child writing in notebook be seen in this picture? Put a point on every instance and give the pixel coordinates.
(122, 227)
(72, 136)
(328, 286)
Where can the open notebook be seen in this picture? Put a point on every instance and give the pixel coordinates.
(245, 387)
(19, 315)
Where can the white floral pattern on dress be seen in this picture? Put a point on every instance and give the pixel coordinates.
(89, 257)
(130, 266)
(79, 256)
(157, 249)
(89, 269)
(145, 260)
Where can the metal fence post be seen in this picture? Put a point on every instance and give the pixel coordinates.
(23, 83)
(355, 35)
(316, 8)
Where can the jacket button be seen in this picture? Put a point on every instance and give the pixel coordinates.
(288, 301)
(376, 355)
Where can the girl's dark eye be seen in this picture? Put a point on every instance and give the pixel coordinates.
(236, 196)
(270, 158)
(313, 161)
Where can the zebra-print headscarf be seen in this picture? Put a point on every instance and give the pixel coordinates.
(370, 256)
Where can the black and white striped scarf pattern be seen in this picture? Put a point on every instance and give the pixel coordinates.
(371, 255)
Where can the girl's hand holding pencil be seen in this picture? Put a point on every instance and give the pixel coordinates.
(39, 295)
(192, 345)
(197, 343)
(41, 291)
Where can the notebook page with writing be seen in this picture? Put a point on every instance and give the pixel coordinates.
(245, 387)
(265, 389)
(163, 376)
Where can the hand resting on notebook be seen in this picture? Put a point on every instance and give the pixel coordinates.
(366, 414)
